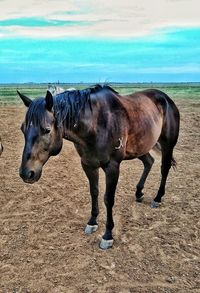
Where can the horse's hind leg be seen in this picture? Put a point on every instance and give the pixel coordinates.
(147, 161)
(167, 160)
(93, 177)
(167, 140)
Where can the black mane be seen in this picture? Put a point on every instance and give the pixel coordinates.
(67, 106)
(99, 87)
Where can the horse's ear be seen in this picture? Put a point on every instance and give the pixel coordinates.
(25, 99)
(49, 101)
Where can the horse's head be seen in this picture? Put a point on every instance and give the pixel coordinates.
(43, 137)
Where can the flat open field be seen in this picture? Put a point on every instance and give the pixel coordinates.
(43, 247)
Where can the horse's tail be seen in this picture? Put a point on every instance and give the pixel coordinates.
(157, 149)
(174, 163)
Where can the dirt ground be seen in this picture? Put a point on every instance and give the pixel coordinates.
(43, 247)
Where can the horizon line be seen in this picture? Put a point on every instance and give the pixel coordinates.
(114, 82)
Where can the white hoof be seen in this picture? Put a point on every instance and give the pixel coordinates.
(105, 244)
(89, 229)
(155, 204)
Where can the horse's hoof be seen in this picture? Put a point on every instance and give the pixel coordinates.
(89, 229)
(155, 204)
(105, 244)
(140, 199)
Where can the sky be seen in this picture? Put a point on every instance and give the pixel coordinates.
(99, 41)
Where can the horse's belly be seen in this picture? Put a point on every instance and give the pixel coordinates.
(141, 142)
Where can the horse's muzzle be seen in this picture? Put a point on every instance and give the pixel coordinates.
(29, 176)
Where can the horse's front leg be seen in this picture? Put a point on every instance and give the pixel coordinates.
(112, 175)
(93, 177)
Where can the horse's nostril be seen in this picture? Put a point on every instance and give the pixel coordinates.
(31, 174)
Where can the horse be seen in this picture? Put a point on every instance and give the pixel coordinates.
(1, 146)
(55, 90)
(106, 128)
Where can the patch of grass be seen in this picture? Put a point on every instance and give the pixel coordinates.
(8, 93)
(175, 91)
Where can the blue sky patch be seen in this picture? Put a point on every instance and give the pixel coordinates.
(94, 43)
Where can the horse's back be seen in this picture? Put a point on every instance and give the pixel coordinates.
(141, 108)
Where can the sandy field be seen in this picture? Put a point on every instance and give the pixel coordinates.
(43, 247)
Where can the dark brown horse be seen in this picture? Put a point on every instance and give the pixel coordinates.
(105, 128)
(1, 147)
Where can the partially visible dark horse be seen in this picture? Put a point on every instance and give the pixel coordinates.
(1, 147)
(105, 128)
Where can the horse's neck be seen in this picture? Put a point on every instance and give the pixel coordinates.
(73, 137)
(79, 129)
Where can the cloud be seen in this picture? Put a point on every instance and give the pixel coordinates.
(33, 8)
(92, 18)
(41, 22)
